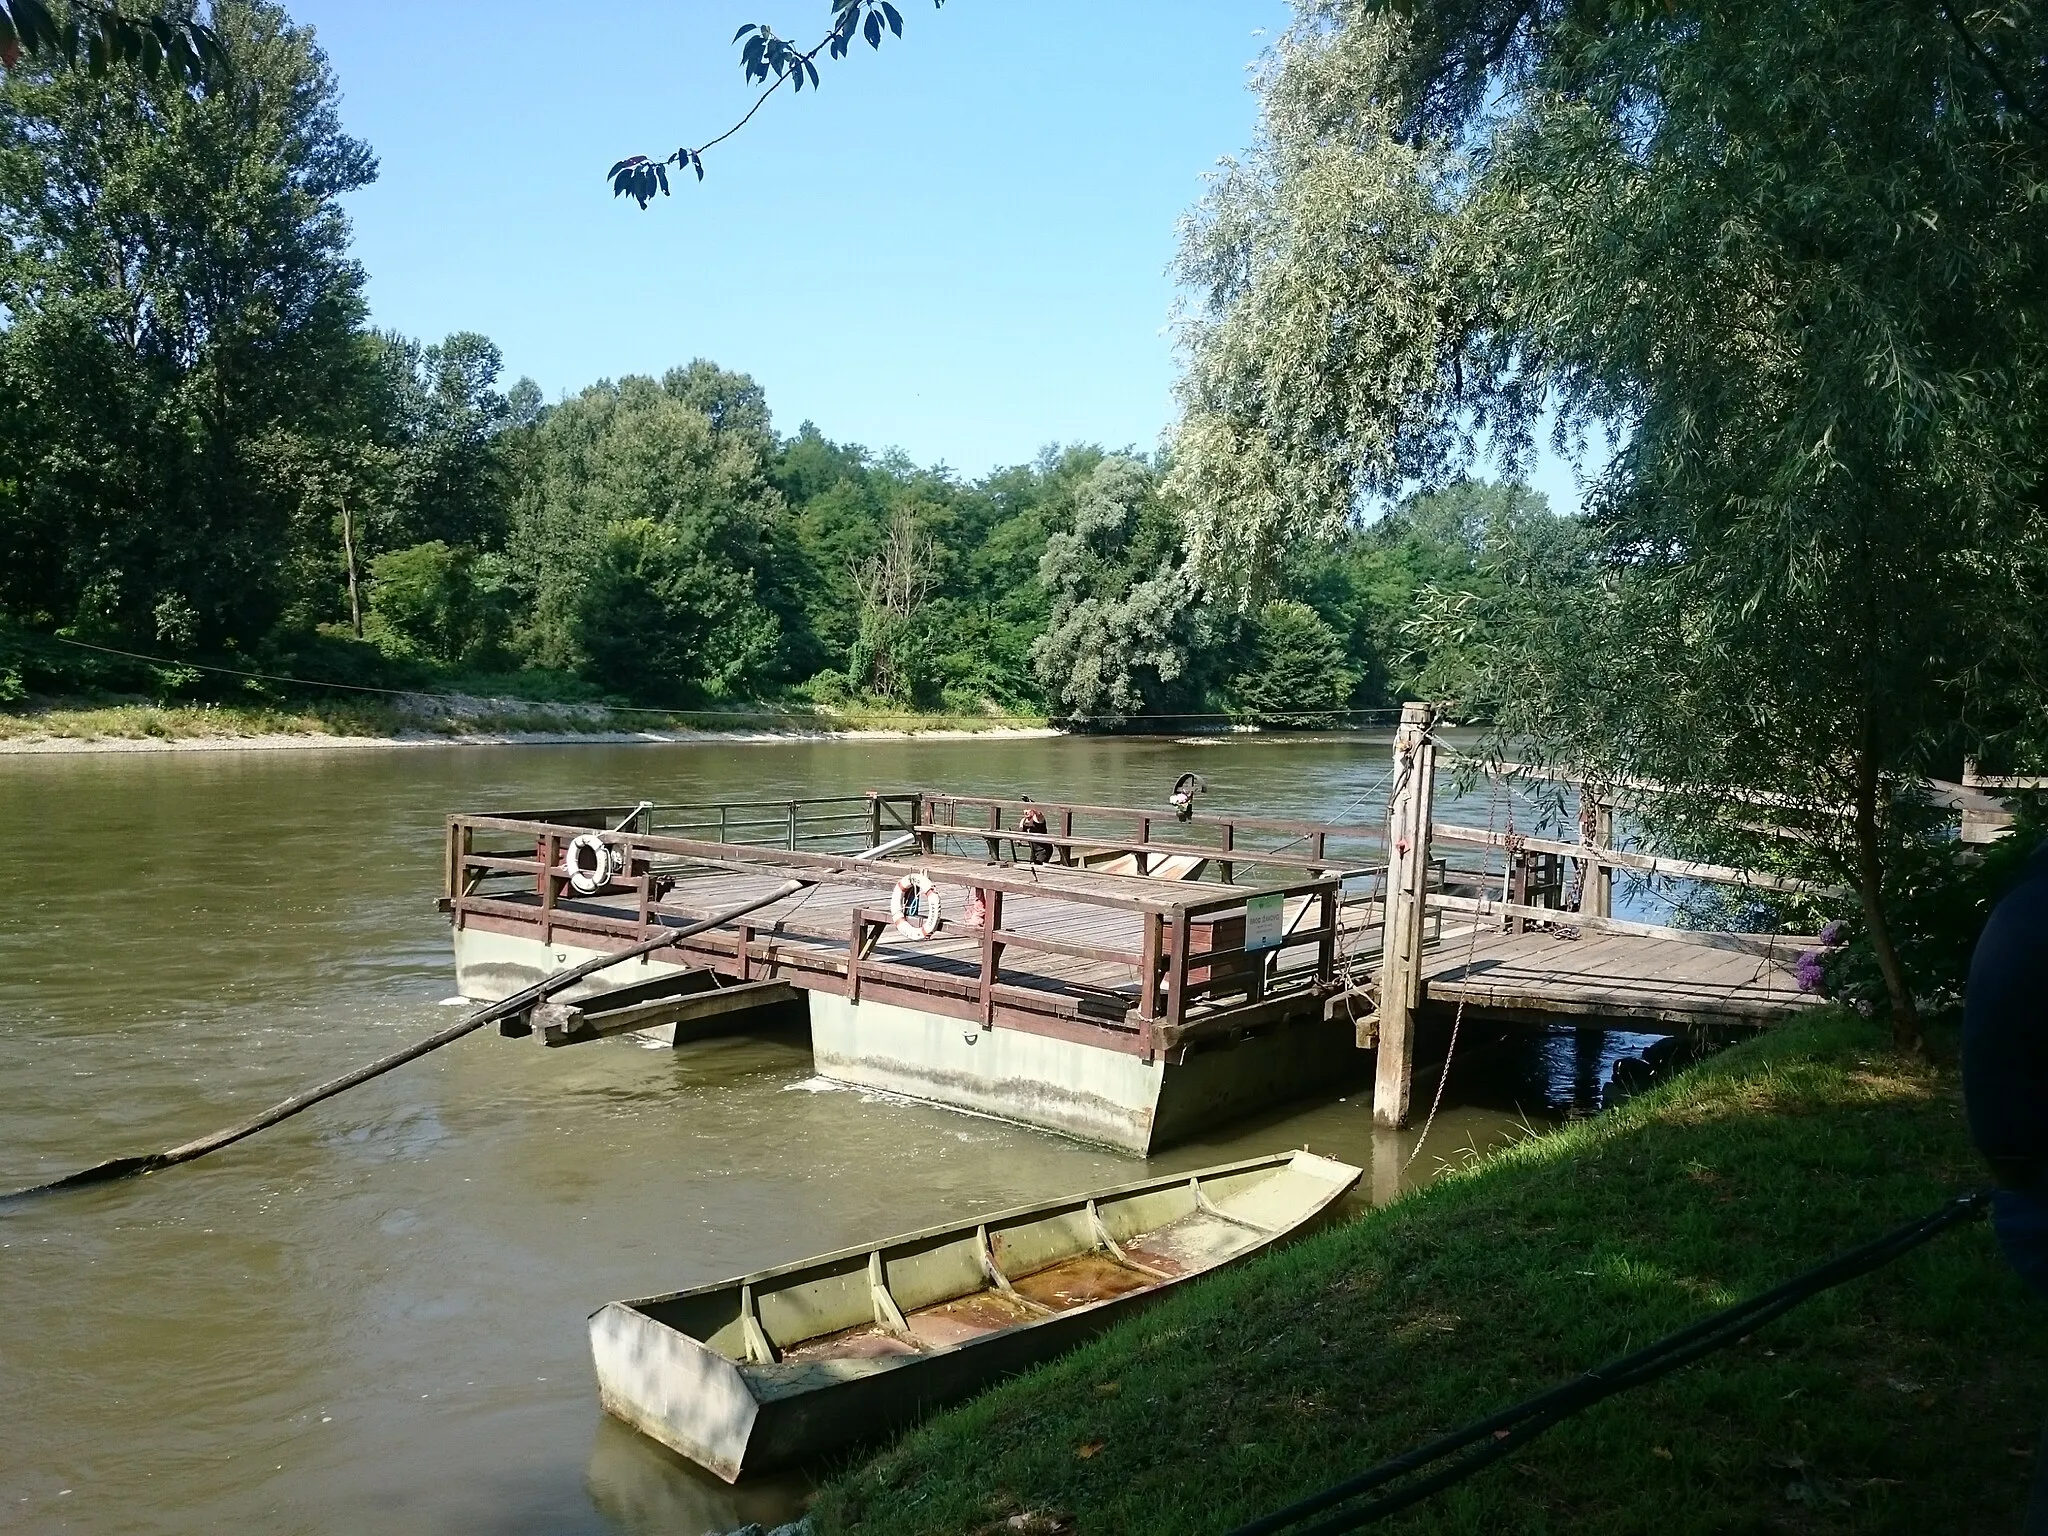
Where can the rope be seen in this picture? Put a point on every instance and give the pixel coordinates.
(1512, 1428)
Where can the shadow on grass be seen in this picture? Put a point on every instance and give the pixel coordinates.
(1905, 1401)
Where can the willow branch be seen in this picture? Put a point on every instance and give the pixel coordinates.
(1990, 66)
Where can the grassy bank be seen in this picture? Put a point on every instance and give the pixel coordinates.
(136, 722)
(1908, 1401)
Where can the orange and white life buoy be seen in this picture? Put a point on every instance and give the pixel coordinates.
(914, 904)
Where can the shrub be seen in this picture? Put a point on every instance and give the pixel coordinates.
(662, 623)
(442, 604)
(1295, 672)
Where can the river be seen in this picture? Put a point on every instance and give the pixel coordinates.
(372, 1317)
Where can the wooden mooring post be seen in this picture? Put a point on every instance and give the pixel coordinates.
(1596, 893)
(1408, 816)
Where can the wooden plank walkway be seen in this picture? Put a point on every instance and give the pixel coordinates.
(1651, 983)
(815, 924)
(1538, 976)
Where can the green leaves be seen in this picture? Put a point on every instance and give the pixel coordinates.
(176, 278)
(185, 52)
(1784, 260)
(771, 60)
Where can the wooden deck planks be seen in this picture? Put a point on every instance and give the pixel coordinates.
(1610, 976)
(1534, 974)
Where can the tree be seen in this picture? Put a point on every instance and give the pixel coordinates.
(440, 604)
(445, 418)
(1783, 257)
(1124, 621)
(659, 620)
(343, 493)
(894, 584)
(1294, 671)
(176, 288)
(636, 504)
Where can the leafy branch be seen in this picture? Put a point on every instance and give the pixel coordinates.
(1984, 60)
(100, 35)
(764, 54)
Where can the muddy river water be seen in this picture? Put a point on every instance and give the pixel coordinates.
(372, 1317)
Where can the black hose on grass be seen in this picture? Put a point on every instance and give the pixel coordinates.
(1512, 1428)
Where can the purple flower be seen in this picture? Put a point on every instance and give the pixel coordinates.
(1807, 971)
(1831, 935)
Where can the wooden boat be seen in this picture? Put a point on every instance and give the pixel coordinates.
(784, 1365)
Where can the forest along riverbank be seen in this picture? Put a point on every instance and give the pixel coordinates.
(1908, 1401)
(375, 1314)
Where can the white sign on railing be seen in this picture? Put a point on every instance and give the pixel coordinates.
(1262, 920)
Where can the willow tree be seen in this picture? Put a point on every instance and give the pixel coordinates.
(1788, 259)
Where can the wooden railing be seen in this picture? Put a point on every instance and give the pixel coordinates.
(1196, 943)
(815, 821)
(1084, 834)
(1986, 815)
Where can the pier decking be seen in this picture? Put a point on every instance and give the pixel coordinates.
(1062, 946)
(1169, 972)
(1651, 984)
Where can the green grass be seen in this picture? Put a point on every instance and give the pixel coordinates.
(1908, 1401)
(134, 720)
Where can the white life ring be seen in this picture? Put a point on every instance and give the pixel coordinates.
(591, 862)
(914, 904)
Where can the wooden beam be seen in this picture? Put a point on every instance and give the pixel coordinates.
(1624, 781)
(1136, 813)
(1400, 980)
(1969, 797)
(1704, 938)
(576, 1023)
(1687, 869)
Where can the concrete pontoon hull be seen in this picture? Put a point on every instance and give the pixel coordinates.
(1094, 1094)
(1084, 1091)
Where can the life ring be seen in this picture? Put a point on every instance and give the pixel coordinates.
(591, 862)
(914, 904)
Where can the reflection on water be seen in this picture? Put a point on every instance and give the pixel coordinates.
(1557, 1072)
(646, 1489)
(373, 1316)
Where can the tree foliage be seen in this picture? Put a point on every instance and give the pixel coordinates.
(1782, 257)
(103, 37)
(1125, 616)
(766, 57)
(176, 277)
(206, 453)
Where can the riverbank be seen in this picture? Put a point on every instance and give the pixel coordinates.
(1907, 1401)
(427, 720)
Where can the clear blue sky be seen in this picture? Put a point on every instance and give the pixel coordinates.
(957, 247)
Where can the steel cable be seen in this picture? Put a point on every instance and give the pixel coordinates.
(1507, 1431)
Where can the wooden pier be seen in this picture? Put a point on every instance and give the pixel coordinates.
(1651, 984)
(1061, 948)
(1130, 933)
